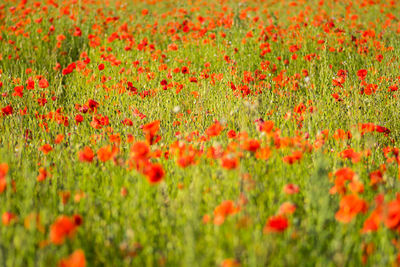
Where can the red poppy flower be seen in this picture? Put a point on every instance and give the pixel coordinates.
(229, 163)
(42, 174)
(86, 155)
(7, 218)
(154, 173)
(140, 151)
(3, 173)
(76, 259)
(214, 130)
(291, 189)
(46, 148)
(8, 110)
(43, 83)
(70, 68)
(223, 210)
(106, 153)
(277, 223)
(350, 206)
(150, 130)
(392, 220)
(362, 74)
(63, 227)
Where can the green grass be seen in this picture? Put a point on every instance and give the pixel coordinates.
(162, 224)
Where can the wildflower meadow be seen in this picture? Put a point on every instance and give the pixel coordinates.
(199, 133)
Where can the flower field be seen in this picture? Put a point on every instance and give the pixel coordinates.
(199, 133)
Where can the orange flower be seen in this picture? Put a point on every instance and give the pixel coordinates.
(106, 153)
(186, 160)
(140, 151)
(229, 163)
(230, 263)
(366, 127)
(145, 12)
(115, 138)
(64, 195)
(3, 170)
(124, 191)
(291, 189)
(226, 208)
(206, 218)
(3, 173)
(63, 227)
(59, 138)
(3, 185)
(341, 134)
(356, 186)
(351, 154)
(43, 83)
(350, 206)
(46, 148)
(376, 216)
(251, 145)
(287, 208)
(214, 130)
(42, 174)
(76, 259)
(342, 175)
(263, 153)
(8, 218)
(267, 126)
(86, 155)
(150, 130)
(392, 220)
